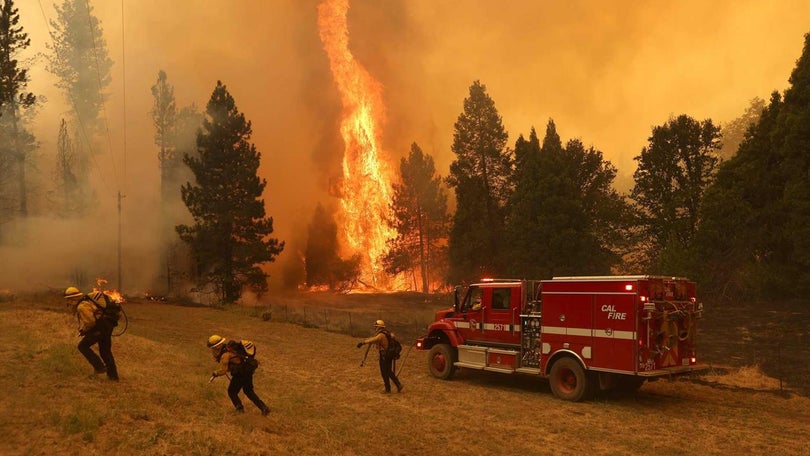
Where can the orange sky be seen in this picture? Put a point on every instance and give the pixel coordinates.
(605, 71)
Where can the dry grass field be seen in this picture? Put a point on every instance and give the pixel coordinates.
(324, 403)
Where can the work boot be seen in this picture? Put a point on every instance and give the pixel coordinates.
(399, 388)
(265, 410)
(240, 409)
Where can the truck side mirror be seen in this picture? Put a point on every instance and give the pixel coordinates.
(455, 298)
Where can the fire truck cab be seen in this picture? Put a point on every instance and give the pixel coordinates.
(582, 333)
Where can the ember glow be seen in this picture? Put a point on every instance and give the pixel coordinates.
(365, 188)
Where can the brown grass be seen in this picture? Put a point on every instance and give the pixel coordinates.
(324, 403)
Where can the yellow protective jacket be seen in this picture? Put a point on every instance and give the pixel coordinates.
(87, 314)
(228, 362)
(379, 339)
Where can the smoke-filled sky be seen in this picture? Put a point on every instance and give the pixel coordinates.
(605, 71)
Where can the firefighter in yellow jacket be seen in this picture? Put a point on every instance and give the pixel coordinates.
(380, 339)
(94, 329)
(230, 362)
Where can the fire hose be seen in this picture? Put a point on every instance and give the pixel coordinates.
(363, 362)
(126, 323)
(405, 359)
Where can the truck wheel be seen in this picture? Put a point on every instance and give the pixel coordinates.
(569, 381)
(440, 361)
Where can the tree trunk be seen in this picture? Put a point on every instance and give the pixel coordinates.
(422, 260)
(20, 155)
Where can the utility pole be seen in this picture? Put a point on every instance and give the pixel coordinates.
(120, 284)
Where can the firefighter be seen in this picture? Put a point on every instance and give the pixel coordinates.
(94, 329)
(380, 338)
(230, 362)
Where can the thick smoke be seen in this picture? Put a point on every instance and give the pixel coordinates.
(605, 73)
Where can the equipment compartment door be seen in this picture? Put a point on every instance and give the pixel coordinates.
(614, 331)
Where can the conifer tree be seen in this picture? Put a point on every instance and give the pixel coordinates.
(522, 229)
(565, 217)
(164, 114)
(420, 219)
(480, 176)
(15, 141)
(63, 200)
(230, 237)
(81, 63)
(754, 239)
(735, 131)
(322, 263)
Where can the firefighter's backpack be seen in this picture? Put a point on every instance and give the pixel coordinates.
(110, 310)
(246, 351)
(394, 347)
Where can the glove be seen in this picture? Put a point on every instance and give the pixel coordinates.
(82, 332)
(359, 344)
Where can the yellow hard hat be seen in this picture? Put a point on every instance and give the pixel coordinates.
(215, 341)
(72, 292)
(379, 324)
(250, 347)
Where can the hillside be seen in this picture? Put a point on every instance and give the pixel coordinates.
(323, 403)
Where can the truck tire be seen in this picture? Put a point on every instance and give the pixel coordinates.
(440, 361)
(569, 381)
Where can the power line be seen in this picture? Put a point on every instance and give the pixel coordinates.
(124, 83)
(98, 76)
(124, 159)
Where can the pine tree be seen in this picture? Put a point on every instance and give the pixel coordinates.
(754, 239)
(323, 265)
(673, 172)
(81, 64)
(164, 116)
(481, 176)
(420, 219)
(734, 132)
(164, 113)
(565, 217)
(64, 177)
(522, 230)
(230, 235)
(15, 99)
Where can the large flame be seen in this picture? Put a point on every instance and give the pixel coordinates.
(115, 295)
(365, 189)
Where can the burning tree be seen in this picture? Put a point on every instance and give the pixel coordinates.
(230, 234)
(365, 186)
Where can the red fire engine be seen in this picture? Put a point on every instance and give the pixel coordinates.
(582, 333)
